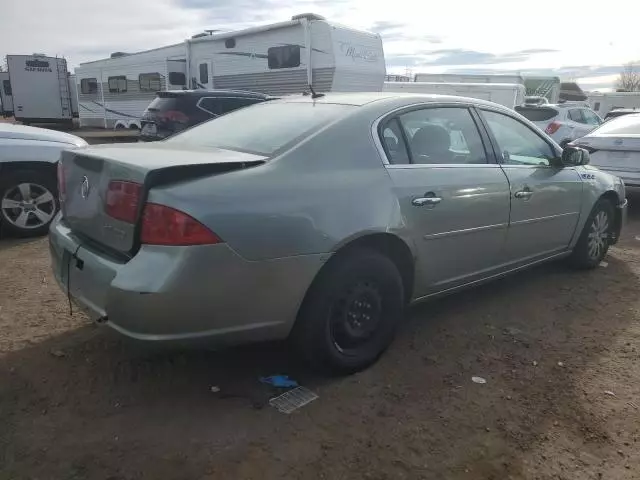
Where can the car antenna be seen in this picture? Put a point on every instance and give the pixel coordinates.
(314, 94)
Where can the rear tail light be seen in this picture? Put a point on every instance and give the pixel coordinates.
(123, 199)
(162, 225)
(173, 116)
(62, 186)
(552, 128)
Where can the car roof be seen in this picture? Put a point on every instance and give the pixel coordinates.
(364, 98)
(22, 132)
(212, 93)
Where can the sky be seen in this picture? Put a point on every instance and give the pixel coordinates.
(578, 41)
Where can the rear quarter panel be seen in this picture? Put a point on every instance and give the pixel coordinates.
(330, 189)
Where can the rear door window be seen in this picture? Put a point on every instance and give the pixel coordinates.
(591, 118)
(575, 114)
(6, 86)
(436, 136)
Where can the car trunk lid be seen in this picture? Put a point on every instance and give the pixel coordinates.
(86, 177)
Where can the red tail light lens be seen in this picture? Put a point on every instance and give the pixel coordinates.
(552, 128)
(173, 116)
(62, 186)
(162, 225)
(123, 199)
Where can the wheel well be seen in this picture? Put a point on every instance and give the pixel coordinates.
(45, 167)
(612, 197)
(390, 246)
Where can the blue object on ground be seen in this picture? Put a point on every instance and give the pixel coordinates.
(280, 381)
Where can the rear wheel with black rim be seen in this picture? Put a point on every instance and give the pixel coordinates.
(28, 203)
(594, 241)
(351, 312)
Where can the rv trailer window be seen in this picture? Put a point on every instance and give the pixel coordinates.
(287, 56)
(204, 73)
(177, 78)
(6, 85)
(149, 82)
(118, 84)
(88, 86)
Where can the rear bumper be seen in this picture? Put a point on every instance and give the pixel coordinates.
(183, 293)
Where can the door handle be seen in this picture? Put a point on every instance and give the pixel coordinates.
(422, 201)
(523, 194)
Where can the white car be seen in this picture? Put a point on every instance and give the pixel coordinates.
(615, 148)
(563, 122)
(28, 184)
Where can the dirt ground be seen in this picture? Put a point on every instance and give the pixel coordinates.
(558, 350)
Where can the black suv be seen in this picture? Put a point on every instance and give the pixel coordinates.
(175, 110)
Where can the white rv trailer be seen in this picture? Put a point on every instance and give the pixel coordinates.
(6, 97)
(277, 59)
(507, 94)
(40, 87)
(603, 103)
(467, 78)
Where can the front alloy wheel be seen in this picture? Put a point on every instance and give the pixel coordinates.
(28, 203)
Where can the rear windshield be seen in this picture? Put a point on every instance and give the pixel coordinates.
(623, 125)
(537, 114)
(263, 128)
(162, 104)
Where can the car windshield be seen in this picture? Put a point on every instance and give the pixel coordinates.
(623, 125)
(264, 129)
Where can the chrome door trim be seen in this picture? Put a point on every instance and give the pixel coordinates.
(543, 219)
(465, 231)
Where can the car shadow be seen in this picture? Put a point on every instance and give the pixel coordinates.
(89, 404)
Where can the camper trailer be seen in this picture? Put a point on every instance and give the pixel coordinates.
(546, 87)
(6, 97)
(277, 59)
(40, 87)
(603, 103)
(507, 94)
(467, 78)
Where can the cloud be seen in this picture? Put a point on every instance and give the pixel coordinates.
(86, 30)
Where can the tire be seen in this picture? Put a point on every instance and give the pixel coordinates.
(594, 241)
(351, 312)
(25, 217)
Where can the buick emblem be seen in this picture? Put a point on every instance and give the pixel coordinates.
(84, 187)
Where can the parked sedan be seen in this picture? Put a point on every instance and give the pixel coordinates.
(615, 148)
(28, 191)
(319, 218)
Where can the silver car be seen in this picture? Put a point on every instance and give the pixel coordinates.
(28, 192)
(319, 218)
(615, 148)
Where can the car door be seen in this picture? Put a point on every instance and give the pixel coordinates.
(545, 196)
(581, 124)
(453, 199)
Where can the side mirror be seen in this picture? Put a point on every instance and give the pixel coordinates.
(574, 156)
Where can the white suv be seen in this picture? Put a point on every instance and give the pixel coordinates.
(563, 122)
